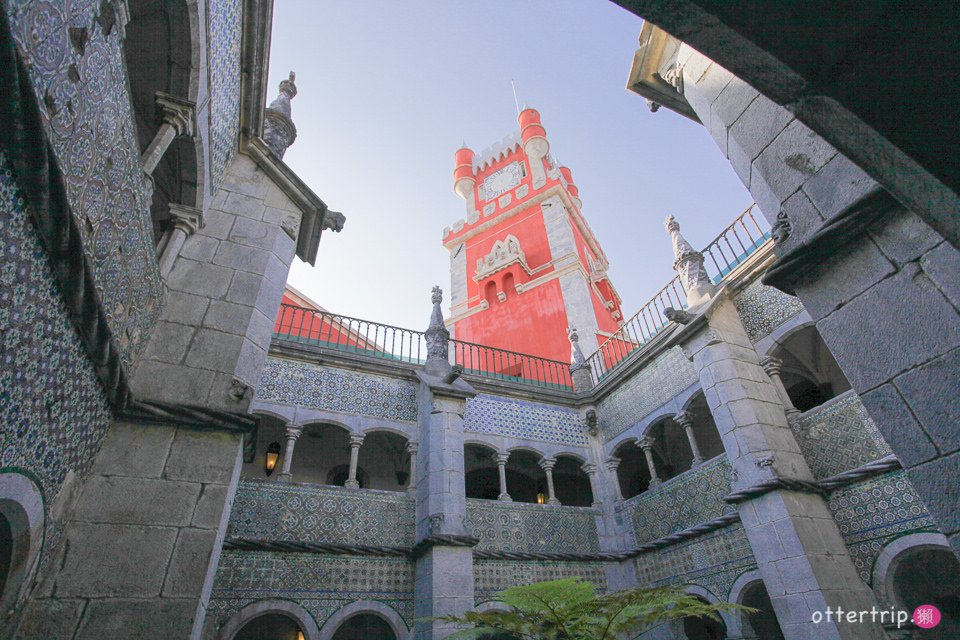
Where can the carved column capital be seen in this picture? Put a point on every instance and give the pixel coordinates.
(176, 112)
(356, 439)
(547, 464)
(413, 448)
(683, 419)
(613, 463)
(502, 458)
(187, 219)
(589, 468)
(293, 432)
(646, 443)
(771, 365)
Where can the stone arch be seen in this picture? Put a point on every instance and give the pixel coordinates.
(361, 607)
(321, 447)
(526, 481)
(384, 458)
(632, 472)
(23, 520)
(254, 610)
(571, 482)
(809, 372)
(704, 427)
(481, 473)
(761, 625)
(703, 628)
(920, 566)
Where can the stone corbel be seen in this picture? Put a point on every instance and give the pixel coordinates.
(186, 220)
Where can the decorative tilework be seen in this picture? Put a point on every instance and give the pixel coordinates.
(650, 387)
(712, 561)
(682, 502)
(493, 576)
(319, 387)
(872, 513)
(316, 513)
(53, 413)
(762, 309)
(226, 17)
(321, 584)
(530, 528)
(86, 109)
(522, 419)
(839, 435)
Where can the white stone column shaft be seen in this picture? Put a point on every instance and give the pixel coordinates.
(291, 435)
(177, 120)
(502, 470)
(647, 445)
(356, 440)
(613, 464)
(591, 470)
(412, 449)
(771, 366)
(547, 465)
(684, 420)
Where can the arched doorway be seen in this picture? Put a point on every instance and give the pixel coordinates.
(763, 624)
(365, 626)
(928, 574)
(704, 629)
(270, 626)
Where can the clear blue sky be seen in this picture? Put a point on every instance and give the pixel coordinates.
(389, 90)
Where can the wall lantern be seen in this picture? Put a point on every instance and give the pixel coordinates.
(541, 497)
(273, 454)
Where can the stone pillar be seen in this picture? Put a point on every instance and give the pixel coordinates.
(613, 463)
(177, 119)
(684, 420)
(186, 220)
(502, 470)
(444, 558)
(591, 470)
(292, 434)
(646, 444)
(547, 465)
(802, 558)
(412, 448)
(356, 439)
(772, 366)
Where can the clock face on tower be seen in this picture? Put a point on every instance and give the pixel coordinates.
(501, 181)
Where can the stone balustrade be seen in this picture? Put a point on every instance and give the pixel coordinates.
(532, 528)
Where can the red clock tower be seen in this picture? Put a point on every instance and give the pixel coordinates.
(524, 264)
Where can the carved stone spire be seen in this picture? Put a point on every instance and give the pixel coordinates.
(279, 131)
(580, 371)
(438, 338)
(688, 263)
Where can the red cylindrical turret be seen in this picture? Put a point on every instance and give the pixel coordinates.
(571, 186)
(463, 178)
(533, 134)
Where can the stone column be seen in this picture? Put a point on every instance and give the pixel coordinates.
(801, 555)
(684, 420)
(502, 470)
(292, 433)
(591, 470)
(646, 444)
(688, 263)
(444, 559)
(547, 465)
(772, 366)
(186, 220)
(412, 448)
(356, 439)
(177, 119)
(580, 370)
(613, 463)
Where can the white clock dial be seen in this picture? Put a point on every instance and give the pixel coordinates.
(501, 181)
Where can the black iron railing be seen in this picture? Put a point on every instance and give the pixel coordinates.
(354, 335)
(727, 251)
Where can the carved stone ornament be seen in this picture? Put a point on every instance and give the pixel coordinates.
(680, 316)
(437, 336)
(436, 523)
(238, 389)
(688, 263)
(291, 226)
(592, 422)
(782, 228)
(766, 461)
(279, 131)
(333, 220)
(503, 253)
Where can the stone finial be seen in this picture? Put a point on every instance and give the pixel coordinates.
(438, 338)
(279, 131)
(688, 263)
(576, 353)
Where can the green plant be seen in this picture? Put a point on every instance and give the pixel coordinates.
(570, 609)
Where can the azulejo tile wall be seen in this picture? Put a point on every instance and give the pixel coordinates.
(320, 387)
(839, 436)
(53, 413)
(314, 513)
(522, 419)
(532, 528)
(226, 18)
(83, 97)
(713, 561)
(684, 501)
(650, 387)
(492, 576)
(321, 584)
(762, 309)
(870, 514)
